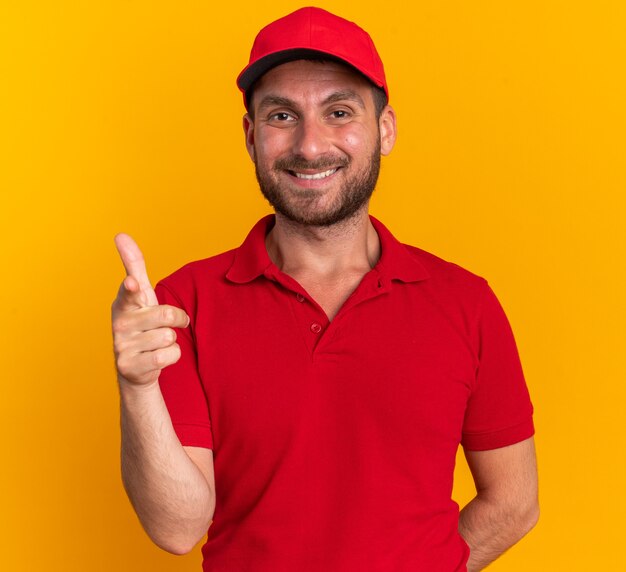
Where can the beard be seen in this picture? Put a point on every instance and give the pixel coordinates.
(355, 191)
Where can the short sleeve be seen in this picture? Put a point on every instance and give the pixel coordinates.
(499, 411)
(181, 385)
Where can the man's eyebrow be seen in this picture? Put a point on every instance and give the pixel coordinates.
(269, 100)
(344, 95)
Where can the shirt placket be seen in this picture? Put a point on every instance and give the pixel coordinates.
(310, 319)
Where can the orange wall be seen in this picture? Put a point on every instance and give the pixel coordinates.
(124, 116)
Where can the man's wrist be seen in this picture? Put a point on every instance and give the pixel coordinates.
(129, 389)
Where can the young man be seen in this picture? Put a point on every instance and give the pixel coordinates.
(305, 393)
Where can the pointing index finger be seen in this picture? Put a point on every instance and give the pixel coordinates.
(135, 265)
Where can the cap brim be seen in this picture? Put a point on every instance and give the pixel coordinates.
(254, 71)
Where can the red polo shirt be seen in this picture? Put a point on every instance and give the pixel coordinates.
(334, 442)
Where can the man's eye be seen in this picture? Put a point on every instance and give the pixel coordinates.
(339, 114)
(282, 116)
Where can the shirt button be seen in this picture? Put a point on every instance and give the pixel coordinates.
(316, 328)
(300, 297)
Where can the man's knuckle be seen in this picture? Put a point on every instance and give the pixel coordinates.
(167, 314)
(123, 364)
(172, 353)
(119, 345)
(120, 325)
(169, 336)
(159, 359)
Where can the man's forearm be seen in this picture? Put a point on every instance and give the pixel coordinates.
(490, 527)
(169, 493)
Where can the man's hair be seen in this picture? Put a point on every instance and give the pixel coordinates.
(378, 94)
(380, 100)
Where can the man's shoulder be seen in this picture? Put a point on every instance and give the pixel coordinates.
(454, 290)
(412, 264)
(444, 272)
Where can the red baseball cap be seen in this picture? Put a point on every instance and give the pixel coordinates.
(311, 32)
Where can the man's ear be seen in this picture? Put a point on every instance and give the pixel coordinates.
(248, 129)
(388, 130)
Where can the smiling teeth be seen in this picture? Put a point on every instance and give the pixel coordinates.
(316, 175)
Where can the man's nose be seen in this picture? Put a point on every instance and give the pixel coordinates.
(311, 138)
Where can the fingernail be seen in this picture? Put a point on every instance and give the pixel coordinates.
(188, 321)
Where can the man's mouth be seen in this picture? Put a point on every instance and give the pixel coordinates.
(314, 176)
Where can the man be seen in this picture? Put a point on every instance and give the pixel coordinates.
(305, 393)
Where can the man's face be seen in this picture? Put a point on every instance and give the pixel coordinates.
(315, 140)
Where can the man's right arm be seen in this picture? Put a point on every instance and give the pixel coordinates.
(171, 487)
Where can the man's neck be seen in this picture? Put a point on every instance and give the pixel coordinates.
(350, 246)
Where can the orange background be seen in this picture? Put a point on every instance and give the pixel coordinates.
(124, 116)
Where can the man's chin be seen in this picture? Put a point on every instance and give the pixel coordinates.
(324, 206)
(318, 218)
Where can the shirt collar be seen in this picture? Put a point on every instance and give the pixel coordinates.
(252, 260)
(396, 261)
